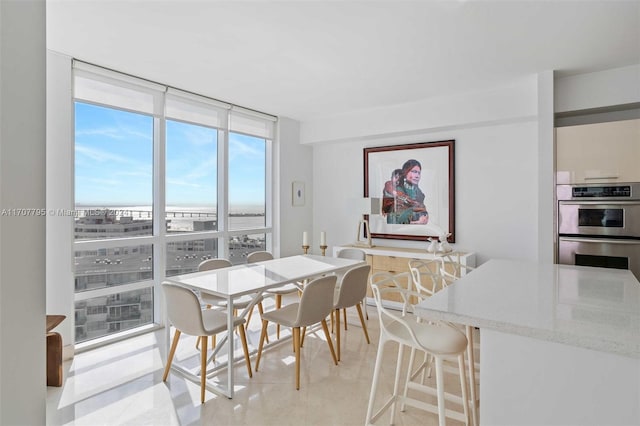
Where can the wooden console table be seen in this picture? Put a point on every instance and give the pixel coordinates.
(396, 260)
(54, 351)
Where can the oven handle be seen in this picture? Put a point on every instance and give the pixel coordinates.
(599, 240)
(603, 203)
(600, 177)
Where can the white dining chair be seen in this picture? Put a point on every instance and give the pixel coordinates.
(439, 340)
(239, 303)
(315, 305)
(452, 268)
(353, 288)
(278, 292)
(354, 254)
(426, 277)
(186, 315)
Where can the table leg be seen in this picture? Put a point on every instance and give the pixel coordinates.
(230, 346)
(472, 375)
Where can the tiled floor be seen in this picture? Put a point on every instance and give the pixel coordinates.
(121, 384)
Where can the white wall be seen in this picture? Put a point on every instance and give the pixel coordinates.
(496, 189)
(496, 170)
(295, 164)
(546, 170)
(60, 279)
(22, 185)
(511, 101)
(504, 157)
(618, 86)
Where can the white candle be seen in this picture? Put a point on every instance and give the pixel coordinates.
(305, 238)
(323, 238)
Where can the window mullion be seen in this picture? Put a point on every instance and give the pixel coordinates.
(159, 215)
(223, 191)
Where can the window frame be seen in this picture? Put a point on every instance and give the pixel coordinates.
(160, 237)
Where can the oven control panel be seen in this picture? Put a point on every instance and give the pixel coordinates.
(595, 192)
(601, 191)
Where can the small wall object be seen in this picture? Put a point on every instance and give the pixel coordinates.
(297, 193)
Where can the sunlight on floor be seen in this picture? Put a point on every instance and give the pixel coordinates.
(122, 384)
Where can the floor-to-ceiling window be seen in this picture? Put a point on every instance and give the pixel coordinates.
(164, 179)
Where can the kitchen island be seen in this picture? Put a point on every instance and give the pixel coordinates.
(560, 344)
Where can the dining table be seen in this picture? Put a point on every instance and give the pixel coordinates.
(251, 279)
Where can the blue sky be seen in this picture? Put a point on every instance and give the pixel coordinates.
(114, 161)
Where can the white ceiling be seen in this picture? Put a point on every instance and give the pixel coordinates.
(305, 59)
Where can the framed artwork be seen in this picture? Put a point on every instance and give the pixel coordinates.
(297, 193)
(416, 185)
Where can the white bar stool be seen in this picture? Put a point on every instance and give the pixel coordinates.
(438, 340)
(430, 277)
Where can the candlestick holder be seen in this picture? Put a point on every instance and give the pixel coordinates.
(323, 249)
(305, 249)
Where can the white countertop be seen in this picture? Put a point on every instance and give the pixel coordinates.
(594, 308)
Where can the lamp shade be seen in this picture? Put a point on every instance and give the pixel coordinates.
(368, 205)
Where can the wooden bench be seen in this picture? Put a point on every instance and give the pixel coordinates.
(54, 351)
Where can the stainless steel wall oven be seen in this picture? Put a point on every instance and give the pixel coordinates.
(599, 225)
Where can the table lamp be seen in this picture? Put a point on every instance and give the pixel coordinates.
(366, 206)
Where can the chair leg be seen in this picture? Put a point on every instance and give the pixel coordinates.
(328, 336)
(331, 320)
(440, 391)
(213, 343)
(261, 310)
(463, 385)
(364, 302)
(296, 346)
(172, 352)
(344, 315)
(396, 382)
(293, 343)
(203, 368)
(304, 333)
(337, 315)
(265, 323)
(248, 319)
(278, 306)
(364, 326)
(245, 348)
(198, 340)
(374, 382)
(412, 357)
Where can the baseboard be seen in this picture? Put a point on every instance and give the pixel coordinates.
(68, 352)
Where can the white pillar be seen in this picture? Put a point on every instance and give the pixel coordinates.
(22, 236)
(546, 169)
(59, 188)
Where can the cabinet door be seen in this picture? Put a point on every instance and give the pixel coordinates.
(598, 153)
(391, 264)
(394, 297)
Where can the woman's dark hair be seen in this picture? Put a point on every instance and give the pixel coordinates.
(408, 165)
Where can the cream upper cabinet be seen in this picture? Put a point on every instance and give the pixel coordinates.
(598, 153)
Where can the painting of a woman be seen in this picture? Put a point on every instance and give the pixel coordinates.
(405, 204)
(416, 182)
